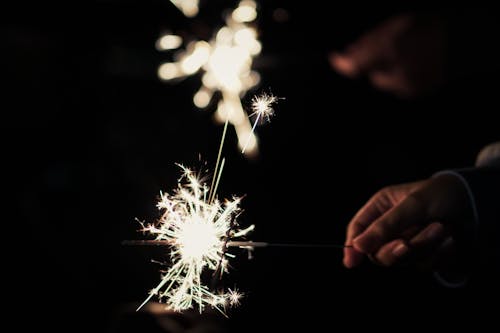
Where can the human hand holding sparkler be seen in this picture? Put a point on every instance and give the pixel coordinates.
(419, 221)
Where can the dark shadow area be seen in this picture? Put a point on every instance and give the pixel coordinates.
(90, 136)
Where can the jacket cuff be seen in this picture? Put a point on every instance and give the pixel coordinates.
(483, 233)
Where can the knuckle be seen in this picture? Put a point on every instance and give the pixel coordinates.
(385, 191)
(378, 231)
(415, 198)
(417, 201)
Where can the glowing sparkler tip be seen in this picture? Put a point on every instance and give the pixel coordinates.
(262, 105)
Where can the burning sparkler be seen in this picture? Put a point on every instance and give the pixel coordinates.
(262, 108)
(227, 64)
(197, 229)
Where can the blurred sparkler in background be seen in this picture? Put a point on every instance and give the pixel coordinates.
(187, 7)
(226, 61)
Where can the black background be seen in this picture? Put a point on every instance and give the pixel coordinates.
(90, 136)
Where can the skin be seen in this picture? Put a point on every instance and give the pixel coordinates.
(404, 55)
(418, 222)
(414, 222)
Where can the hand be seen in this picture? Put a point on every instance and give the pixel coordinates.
(417, 221)
(404, 55)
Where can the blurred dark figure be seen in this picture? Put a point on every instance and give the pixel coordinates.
(452, 220)
(90, 136)
(415, 54)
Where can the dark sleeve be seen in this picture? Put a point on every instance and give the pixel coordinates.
(481, 235)
(483, 185)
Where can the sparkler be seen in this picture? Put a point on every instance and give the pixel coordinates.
(197, 230)
(198, 226)
(262, 108)
(226, 61)
(242, 244)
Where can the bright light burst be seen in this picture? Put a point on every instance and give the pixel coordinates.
(227, 64)
(197, 227)
(234, 296)
(262, 107)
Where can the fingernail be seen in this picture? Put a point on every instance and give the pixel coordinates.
(400, 250)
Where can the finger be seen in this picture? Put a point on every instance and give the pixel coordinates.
(359, 58)
(409, 212)
(394, 81)
(374, 208)
(344, 64)
(352, 258)
(428, 239)
(378, 204)
(407, 234)
(366, 215)
(374, 50)
(391, 253)
(422, 245)
(384, 80)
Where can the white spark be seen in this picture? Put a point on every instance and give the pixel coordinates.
(234, 296)
(197, 229)
(262, 106)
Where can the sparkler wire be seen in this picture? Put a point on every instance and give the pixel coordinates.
(212, 192)
(250, 135)
(242, 244)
